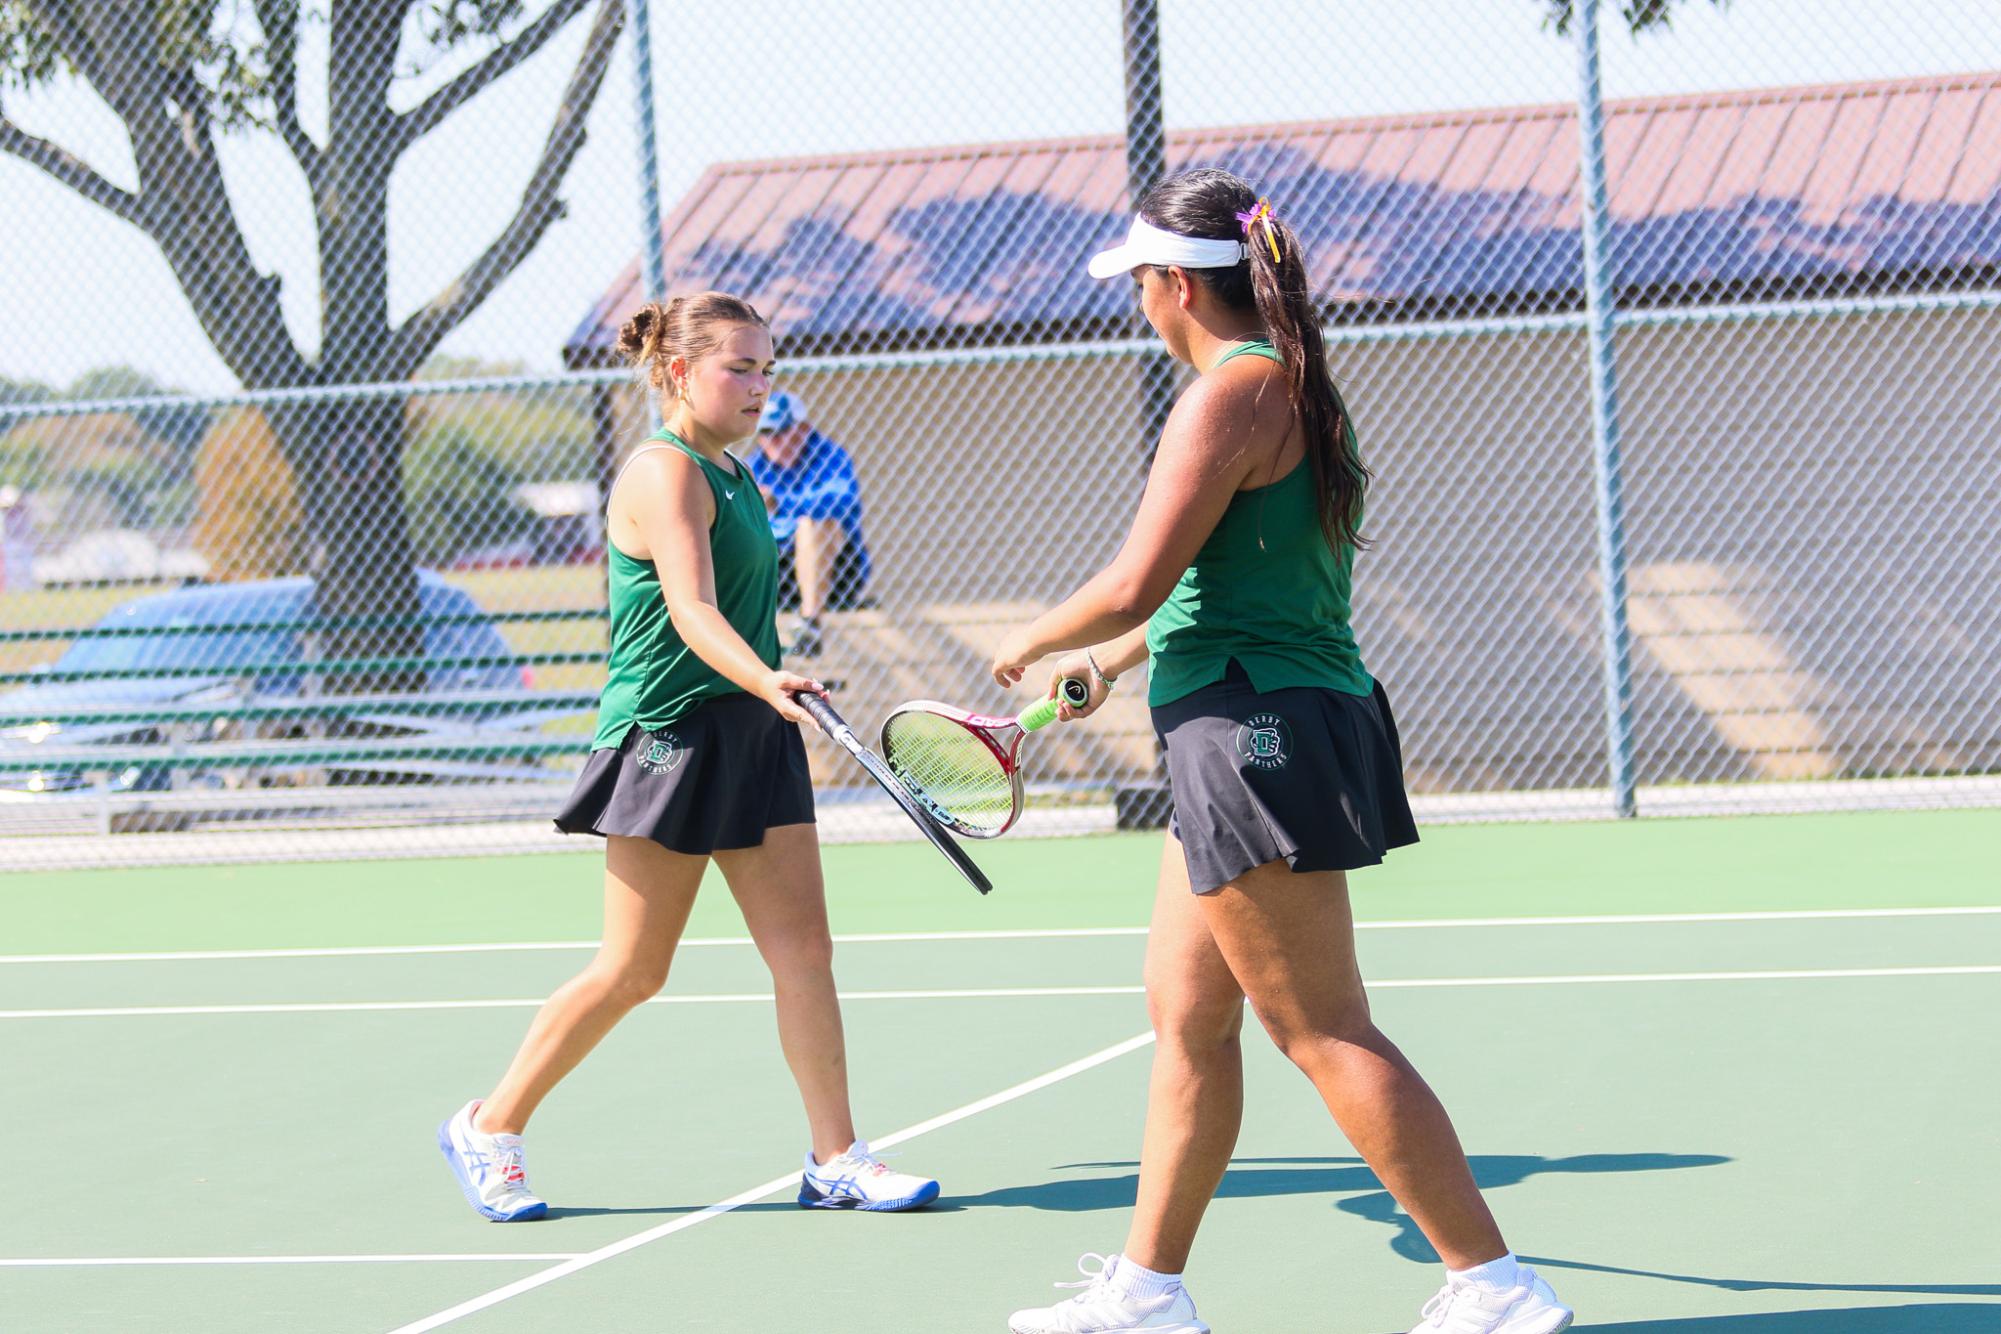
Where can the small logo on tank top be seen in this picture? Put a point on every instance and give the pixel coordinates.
(663, 751)
(1264, 741)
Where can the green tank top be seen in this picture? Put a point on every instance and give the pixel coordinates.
(1265, 590)
(654, 677)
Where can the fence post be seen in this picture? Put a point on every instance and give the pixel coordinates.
(1599, 305)
(1145, 805)
(652, 265)
(1146, 163)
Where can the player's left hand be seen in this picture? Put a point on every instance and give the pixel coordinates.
(1076, 667)
(1014, 657)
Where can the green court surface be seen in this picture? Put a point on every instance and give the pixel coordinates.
(1732, 1077)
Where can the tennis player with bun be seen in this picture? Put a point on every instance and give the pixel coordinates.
(1283, 760)
(697, 756)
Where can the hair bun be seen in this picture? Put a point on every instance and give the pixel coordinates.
(639, 331)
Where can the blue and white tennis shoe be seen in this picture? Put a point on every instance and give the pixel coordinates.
(491, 1169)
(858, 1179)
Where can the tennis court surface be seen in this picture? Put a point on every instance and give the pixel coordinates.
(1726, 1076)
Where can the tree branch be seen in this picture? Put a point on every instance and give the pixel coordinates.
(280, 21)
(60, 19)
(540, 204)
(77, 174)
(68, 28)
(427, 115)
(114, 46)
(185, 204)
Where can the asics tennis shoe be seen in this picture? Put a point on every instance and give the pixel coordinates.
(490, 1168)
(858, 1179)
(1467, 1308)
(1102, 1308)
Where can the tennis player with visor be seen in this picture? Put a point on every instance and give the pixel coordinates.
(1284, 763)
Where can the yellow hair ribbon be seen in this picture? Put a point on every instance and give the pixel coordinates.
(1262, 213)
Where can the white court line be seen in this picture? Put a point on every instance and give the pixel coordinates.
(1748, 975)
(1006, 993)
(98, 1261)
(1049, 933)
(693, 942)
(771, 1187)
(715, 998)
(572, 1262)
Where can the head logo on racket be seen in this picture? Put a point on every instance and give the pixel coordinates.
(1265, 741)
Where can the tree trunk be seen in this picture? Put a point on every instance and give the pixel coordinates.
(348, 457)
(348, 454)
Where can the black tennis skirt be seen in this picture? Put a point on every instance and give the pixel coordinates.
(1312, 775)
(716, 778)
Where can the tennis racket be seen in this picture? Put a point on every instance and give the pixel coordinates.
(844, 736)
(966, 767)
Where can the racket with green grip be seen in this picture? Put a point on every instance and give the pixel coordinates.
(966, 767)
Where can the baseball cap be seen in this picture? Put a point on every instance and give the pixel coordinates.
(780, 411)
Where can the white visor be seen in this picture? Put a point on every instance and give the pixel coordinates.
(1148, 244)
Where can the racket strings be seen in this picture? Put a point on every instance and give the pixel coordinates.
(953, 768)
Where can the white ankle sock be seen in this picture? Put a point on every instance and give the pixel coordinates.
(1137, 1281)
(1495, 1275)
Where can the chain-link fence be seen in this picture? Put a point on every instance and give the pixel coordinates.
(301, 548)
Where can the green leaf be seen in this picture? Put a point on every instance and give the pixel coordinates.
(29, 55)
(1639, 15)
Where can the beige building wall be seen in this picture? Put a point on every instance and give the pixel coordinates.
(1811, 511)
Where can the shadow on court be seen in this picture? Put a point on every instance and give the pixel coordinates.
(557, 1212)
(1263, 1178)
(1942, 1319)
(1247, 1179)
(1779, 1285)
(947, 1205)
(1492, 1171)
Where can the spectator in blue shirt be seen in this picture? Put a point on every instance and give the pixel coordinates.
(815, 503)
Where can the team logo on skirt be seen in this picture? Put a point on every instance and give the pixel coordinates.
(1265, 741)
(663, 751)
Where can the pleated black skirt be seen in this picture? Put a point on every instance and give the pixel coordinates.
(1310, 775)
(717, 778)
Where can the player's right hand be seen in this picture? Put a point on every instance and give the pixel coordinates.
(777, 688)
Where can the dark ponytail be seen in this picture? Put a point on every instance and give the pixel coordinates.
(1210, 202)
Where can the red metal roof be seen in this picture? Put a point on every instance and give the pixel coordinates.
(1769, 193)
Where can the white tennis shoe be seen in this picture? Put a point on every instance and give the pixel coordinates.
(1102, 1309)
(491, 1169)
(1527, 1308)
(858, 1179)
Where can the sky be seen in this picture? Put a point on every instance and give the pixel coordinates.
(742, 79)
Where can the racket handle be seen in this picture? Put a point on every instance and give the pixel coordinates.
(1043, 712)
(823, 714)
(836, 727)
